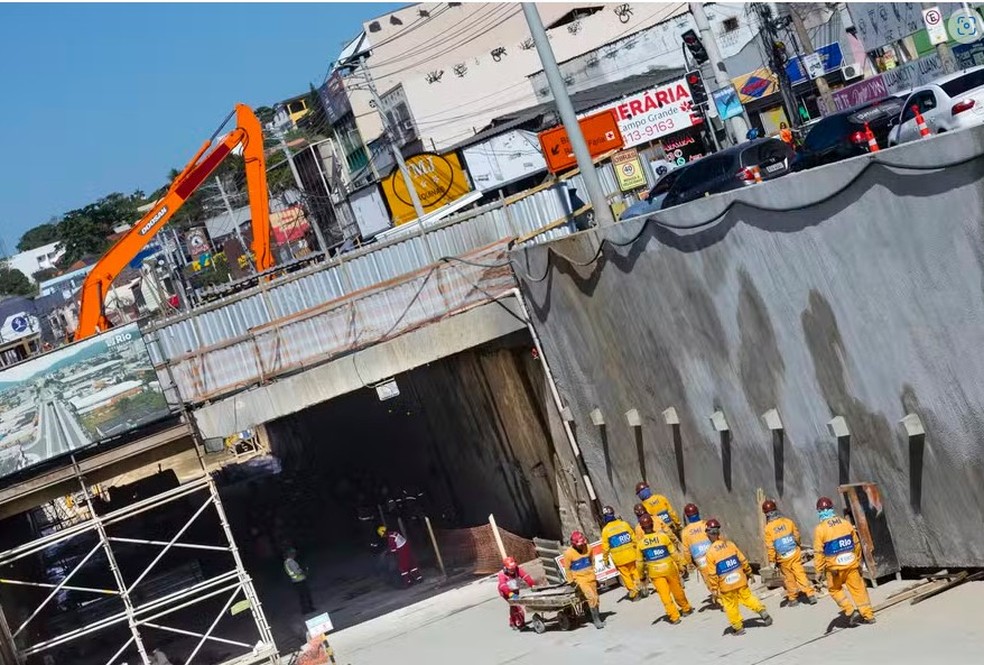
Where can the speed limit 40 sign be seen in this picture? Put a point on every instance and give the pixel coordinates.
(935, 27)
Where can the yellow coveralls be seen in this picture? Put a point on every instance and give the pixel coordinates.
(782, 545)
(580, 570)
(729, 572)
(659, 507)
(695, 544)
(837, 554)
(618, 542)
(659, 556)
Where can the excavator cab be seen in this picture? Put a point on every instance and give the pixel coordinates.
(248, 135)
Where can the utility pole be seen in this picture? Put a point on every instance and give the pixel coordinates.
(947, 60)
(738, 124)
(770, 39)
(602, 213)
(232, 215)
(807, 45)
(322, 246)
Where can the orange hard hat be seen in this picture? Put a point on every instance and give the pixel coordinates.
(509, 565)
(578, 539)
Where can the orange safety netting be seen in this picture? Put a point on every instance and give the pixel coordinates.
(476, 549)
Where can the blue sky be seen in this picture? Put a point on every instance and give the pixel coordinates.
(104, 98)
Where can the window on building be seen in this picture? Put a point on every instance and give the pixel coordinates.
(297, 106)
(730, 24)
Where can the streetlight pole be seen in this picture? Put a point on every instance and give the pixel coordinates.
(602, 213)
(322, 245)
(739, 123)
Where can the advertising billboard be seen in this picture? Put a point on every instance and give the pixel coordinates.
(504, 159)
(654, 113)
(76, 396)
(600, 132)
(437, 179)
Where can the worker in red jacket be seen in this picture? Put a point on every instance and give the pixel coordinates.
(511, 579)
(405, 560)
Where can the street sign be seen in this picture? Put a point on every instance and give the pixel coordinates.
(600, 132)
(933, 18)
(628, 170)
(813, 65)
(727, 103)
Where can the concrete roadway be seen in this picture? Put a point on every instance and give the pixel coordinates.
(59, 430)
(468, 625)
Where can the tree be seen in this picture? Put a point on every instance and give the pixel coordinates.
(264, 114)
(15, 283)
(84, 231)
(39, 236)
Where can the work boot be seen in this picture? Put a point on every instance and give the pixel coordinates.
(811, 600)
(792, 603)
(868, 621)
(739, 632)
(644, 593)
(596, 619)
(634, 598)
(766, 618)
(855, 618)
(688, 612)
(673, 622)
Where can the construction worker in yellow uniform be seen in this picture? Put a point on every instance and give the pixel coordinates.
(782, 546)
(729, 574)
(658, 506)
(695, 543)
(618, 542)
(579, 566)
(659, 556)
(837, 556)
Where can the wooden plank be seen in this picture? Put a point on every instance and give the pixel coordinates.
(909, 588)
(956, 581)
(937, 576)
(759, 499)
(908, 594)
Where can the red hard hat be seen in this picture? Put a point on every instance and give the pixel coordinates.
(578, 539)
(509, 565)
(823, 503)
(642, 485)
(646, 521)
(711, 524)
(769, 506)
(691, 509)
(639, 510)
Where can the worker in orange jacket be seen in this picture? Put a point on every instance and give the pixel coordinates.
(695, 543)
(579, 567)
(659, 556)
(618, 542)
(729, 576)
(837, 557)
(782, 547)
(658, 506)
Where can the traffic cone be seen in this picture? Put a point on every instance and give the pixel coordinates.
(870, 135)
(921, 123)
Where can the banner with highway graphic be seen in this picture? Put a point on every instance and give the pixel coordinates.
(76, 396)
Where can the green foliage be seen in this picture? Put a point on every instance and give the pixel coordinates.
(39, 236)
(206, 202)
(216, 272)
(264, 114)
(83, 231)
(15, 283)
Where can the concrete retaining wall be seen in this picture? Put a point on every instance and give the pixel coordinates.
(857, 291)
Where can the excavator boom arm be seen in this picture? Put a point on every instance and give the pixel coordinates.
(249, 134)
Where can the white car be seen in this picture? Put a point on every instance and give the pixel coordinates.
(947, 104)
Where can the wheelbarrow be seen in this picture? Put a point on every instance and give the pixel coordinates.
(562, 600)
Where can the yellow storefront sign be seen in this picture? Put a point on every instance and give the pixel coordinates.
(438, 180)
(755, 85)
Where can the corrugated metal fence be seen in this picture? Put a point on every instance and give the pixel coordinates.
(249, 337)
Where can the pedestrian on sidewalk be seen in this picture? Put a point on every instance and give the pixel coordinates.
(782, 546)
(405, 560)
(729, 575)
(579, 567)
(837, 558)
(662, 561)
(510, 579)
(298, 578)
(618, 542)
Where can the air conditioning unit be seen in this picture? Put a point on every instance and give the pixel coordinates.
(851, 71)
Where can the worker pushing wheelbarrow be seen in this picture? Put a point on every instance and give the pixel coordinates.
(567, 603)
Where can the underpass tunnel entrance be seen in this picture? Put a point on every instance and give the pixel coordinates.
(470, 435)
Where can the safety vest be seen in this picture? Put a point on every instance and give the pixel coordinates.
(294, 570)
(617, 540)
(837, 541)
(696, 542)
(579, 566)
(657, 554)
(782, 539)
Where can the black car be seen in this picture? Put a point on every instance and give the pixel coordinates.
(842, 135)
(733, 168)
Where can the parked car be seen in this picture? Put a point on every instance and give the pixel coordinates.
(729, 169)
(654, 199)
(947, 104)
(841, 135)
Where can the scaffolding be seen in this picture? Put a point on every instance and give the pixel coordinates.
(148, 603)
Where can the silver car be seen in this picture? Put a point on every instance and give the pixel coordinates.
(947, 104)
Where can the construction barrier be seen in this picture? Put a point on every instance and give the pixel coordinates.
(475, 549)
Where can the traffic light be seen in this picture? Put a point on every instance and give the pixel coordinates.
(697, 91)
(696, 47)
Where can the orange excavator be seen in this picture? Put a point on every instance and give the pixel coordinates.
(249, 135)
